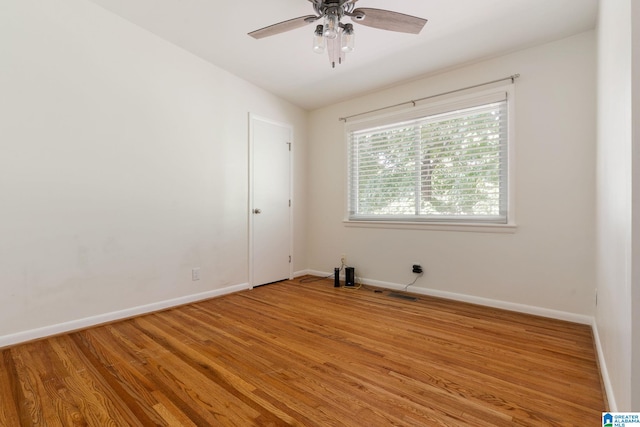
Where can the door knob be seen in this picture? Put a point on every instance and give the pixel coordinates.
(257, 211)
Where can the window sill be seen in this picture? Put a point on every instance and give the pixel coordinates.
(431, 226)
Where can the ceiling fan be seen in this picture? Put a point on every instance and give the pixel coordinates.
(337, 38)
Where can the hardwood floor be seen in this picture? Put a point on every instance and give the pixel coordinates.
(308, 354)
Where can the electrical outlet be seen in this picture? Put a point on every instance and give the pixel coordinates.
(416, 268)
(195, 274)
(343, 259)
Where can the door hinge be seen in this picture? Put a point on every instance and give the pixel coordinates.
(289, 202)
(289, 144)
(289, 259)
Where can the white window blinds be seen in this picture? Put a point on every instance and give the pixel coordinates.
(448, 166)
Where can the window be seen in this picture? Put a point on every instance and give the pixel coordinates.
(438, 163)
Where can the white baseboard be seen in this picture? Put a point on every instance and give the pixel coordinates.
(74, 325)
(604, 372)
(511, 306)
(320, 273)
(302, 273)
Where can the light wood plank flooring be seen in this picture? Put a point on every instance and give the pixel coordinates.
(308, 354)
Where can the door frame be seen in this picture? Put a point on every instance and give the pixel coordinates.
(252, 118)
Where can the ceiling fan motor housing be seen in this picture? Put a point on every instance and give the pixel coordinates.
(339, 7)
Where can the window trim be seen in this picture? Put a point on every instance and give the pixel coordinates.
(434, 226)
(431, 108)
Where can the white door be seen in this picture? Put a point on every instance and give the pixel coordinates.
(270, 201)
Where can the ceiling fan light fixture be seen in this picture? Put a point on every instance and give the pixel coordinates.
(347, 40)
(331, 24)
(318, 40)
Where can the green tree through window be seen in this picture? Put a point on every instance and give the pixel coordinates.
(445, 167)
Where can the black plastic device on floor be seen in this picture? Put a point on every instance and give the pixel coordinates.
(336, 277)
(350, 276)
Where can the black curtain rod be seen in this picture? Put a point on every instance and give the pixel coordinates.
(414, 101)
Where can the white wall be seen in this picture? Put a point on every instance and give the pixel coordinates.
(618, 191)
(124, 164)
(548, 263)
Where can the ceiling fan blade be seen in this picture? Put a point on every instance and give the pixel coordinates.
(388, 20)
(281, 27)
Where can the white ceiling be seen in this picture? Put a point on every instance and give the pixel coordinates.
(458, 31)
